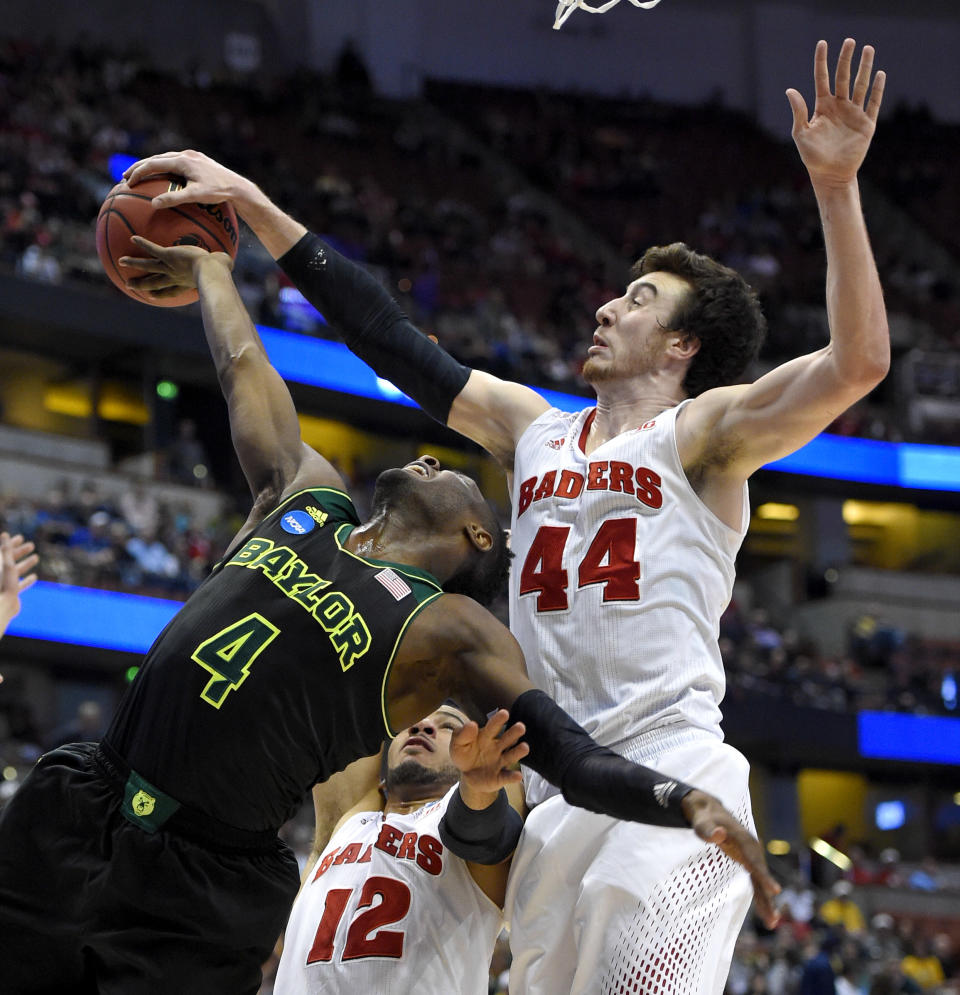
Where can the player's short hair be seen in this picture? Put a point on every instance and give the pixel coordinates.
(721, 310)
(484, 575)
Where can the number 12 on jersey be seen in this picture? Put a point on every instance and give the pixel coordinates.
(365, 935)
(610, 560)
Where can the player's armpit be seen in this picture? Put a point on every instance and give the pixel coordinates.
(354, 789)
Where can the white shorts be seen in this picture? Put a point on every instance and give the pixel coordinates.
(602, 907)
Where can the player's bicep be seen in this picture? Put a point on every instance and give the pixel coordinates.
(780, 412)
(495, 413)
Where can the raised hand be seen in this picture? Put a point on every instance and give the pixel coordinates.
(714, 824)
(18, 560)
(833, 143)
(169, 268)
(485, 756)
(207, 181)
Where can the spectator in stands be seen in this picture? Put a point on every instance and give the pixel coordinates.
(842, 910)
(817, 977)
(943, 949)
(153, 563)
(925, 877)
(921, 964)
(798, 897)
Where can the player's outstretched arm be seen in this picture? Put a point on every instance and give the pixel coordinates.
(786, 408)
(18, 560)
(263, 420)
(475, 658)
(480, 825)
(489, 411)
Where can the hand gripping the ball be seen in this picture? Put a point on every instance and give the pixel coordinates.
(207, 181)
(167, 270)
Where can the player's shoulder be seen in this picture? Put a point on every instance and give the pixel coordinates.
(552, 426)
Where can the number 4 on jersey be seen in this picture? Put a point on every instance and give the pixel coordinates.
(229, 654)
(610, 560)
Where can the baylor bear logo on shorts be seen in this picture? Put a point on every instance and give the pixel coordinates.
(143, 804)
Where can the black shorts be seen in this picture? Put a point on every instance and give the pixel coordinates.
(91, 903)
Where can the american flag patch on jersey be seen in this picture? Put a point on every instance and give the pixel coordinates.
(395, 584)
(557, 443)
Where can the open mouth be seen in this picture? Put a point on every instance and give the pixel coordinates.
(419, 468)
(417, 741)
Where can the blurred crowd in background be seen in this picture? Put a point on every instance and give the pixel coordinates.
(501, 220)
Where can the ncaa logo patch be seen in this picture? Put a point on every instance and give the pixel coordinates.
(297, 523)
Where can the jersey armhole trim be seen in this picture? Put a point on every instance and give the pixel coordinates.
(415, 573)
(745, 495)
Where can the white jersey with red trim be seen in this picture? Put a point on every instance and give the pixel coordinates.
(388, 909)
(620, 578)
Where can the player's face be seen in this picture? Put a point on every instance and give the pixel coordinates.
(424, 482)
(633, 331)
(426, 744)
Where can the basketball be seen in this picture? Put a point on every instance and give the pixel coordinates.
(128, 211)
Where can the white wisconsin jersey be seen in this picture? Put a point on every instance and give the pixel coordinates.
(620, 578)
(388, 909)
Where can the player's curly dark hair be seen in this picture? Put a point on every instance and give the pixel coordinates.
(485, 574)
(721, 310)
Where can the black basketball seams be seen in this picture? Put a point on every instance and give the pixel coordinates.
(202, 227)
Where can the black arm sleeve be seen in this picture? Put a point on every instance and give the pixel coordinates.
(591, 776)
(484, 836)
(373, 326)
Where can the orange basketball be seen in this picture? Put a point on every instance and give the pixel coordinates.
(128, 211)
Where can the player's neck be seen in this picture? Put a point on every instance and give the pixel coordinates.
(404, 806)
(621, 409)
(398, 540)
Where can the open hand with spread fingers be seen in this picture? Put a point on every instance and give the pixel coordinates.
(487, 757)
(833, 143)
(714, 824)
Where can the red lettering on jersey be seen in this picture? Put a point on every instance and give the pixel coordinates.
(596, 476)
(408, 848)
(648, 487)
(526, 495)
(387, 840)
(429, 857)
(325, 864)
(349, 854)
(621, 477)
(365, 859)
(546, 486)
(570, 485)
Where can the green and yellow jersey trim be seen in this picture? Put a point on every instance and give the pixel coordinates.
(413, 573)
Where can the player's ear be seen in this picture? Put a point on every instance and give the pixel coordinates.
(479, 536)
(684, 345)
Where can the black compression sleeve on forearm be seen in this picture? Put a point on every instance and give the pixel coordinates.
(482, 836)
(373, 326)
(590, 775)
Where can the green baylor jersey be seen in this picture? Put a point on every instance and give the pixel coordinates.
(273, 675)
